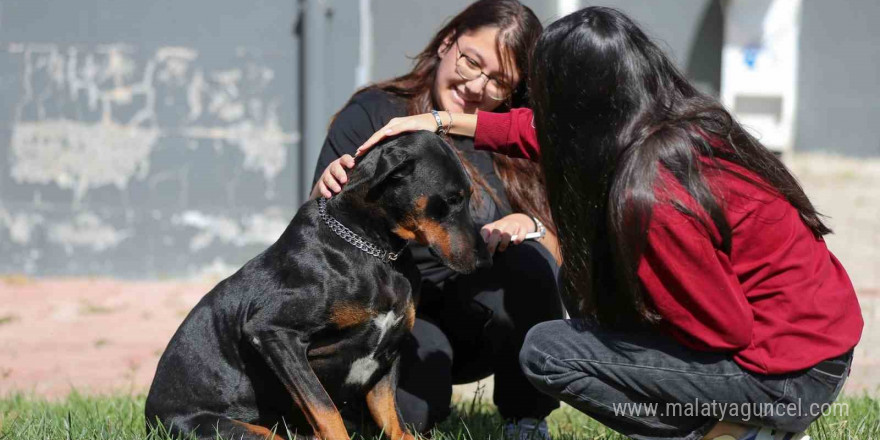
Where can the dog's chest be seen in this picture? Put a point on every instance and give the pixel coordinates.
(365, 330)
(382, 339)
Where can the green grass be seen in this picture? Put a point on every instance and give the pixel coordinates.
(80, 417)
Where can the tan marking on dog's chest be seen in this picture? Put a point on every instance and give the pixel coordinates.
(345, 315)
(363, 369)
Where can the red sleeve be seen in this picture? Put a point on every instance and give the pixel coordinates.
(693, 285)
(511, 134)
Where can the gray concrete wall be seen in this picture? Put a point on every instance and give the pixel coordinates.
(839, 78)
(164, 138)
(145, 139)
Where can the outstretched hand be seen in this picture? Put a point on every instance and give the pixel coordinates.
(396, 126)
(510, 229)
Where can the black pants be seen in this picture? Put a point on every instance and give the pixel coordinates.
(471, 326)
(648, 386)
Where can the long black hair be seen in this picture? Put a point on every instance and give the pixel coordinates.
(610, 108)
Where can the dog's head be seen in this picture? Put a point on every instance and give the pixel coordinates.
(421, 187)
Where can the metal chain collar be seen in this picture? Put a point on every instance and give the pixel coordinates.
(353, 238)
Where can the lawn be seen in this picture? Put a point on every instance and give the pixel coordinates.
(80, 417)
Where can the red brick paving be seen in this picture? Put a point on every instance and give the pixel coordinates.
(103, 335)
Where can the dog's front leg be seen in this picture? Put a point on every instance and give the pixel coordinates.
(285, 352)
(383, 405)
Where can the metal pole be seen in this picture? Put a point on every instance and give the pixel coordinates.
(365, 61)
(315, 14)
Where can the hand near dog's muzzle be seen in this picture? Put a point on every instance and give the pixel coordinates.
(512, 228)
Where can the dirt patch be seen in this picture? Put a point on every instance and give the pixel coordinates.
(95, 335)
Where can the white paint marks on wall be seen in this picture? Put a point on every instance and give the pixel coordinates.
(210, 228)
(262, 228)
(20, 225)
(100, 116)
(265, 227)
(225, 102)
(109, 139)
(174, 64)
(217, 269)
(252, 125)
(264, 146)
(80, 156)
(86, 230)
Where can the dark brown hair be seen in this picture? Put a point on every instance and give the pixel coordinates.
(519, 29)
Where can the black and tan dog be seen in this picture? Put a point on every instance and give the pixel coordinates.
(316, 320)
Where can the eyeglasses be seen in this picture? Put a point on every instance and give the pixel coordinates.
(469, 69)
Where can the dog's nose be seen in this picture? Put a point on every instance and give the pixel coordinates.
(484, 260)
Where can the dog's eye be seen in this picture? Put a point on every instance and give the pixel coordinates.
(402, 171)
(437, 207)
(455, 199)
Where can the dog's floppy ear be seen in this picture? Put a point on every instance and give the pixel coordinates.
(394, 163)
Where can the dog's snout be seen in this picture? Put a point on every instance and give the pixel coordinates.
(482, 257)
(484, 264)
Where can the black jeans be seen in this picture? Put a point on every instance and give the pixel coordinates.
(618, 377)
(472, 326)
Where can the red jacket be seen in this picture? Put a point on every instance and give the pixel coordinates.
(779, 301)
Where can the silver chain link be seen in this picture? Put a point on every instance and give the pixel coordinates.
(353, 238)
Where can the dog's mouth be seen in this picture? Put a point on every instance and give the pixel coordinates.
(435, 254)
(453, 263)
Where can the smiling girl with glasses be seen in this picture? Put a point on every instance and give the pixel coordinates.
(470, 69)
